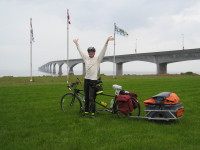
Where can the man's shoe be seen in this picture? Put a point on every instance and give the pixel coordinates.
(86, 114)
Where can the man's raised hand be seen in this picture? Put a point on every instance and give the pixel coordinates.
(75, 41)
(110, 38)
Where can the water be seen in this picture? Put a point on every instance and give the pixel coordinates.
(26, 73)
(21, 73)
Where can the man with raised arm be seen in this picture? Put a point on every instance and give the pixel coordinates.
(92, 65)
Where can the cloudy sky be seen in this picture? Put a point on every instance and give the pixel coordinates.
(158, 25)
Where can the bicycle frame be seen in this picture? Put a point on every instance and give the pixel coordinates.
(77, 93)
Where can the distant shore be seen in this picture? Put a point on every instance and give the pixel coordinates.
(38, 73)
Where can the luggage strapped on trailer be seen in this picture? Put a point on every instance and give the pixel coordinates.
(164, 106)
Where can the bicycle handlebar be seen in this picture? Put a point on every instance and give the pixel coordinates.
(73, 84)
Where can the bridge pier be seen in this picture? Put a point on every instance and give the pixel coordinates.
(99, 71)
(54, 68)
(161, 68)
(50, 65)
(71, 71)
(46, 68)
(83, 69)
(119, 69)
(60, 70)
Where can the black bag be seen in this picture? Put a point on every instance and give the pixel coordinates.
(99, 88)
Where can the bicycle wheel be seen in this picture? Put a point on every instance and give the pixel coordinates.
(119, 113)
(71, 104)
(135, 112)
(115, 110)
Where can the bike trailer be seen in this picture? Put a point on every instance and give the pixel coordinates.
(164, 106)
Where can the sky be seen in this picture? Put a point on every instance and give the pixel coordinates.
(157, 25)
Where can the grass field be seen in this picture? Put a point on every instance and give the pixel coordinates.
(31, 119)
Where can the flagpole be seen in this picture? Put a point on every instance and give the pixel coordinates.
(114, 54)
(67, 45)
(136, 46)
(121, 32)
(31, 50)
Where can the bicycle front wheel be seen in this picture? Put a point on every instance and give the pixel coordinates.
(70, 104)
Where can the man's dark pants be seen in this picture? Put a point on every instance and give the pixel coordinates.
(90, 95)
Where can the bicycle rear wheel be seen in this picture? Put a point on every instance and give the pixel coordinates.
(69, 103)
(136, 110)
(115, 110)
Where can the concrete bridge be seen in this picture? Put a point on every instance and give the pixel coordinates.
(161, 59)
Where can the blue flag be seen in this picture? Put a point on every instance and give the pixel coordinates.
(120, 31)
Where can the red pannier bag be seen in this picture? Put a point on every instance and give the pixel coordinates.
(125, 104)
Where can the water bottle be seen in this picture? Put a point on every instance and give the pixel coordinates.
(83, 99)
(103, 103)
(111, 103)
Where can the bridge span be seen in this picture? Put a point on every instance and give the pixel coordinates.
(161, 59)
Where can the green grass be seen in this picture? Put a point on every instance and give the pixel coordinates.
(30, 116)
